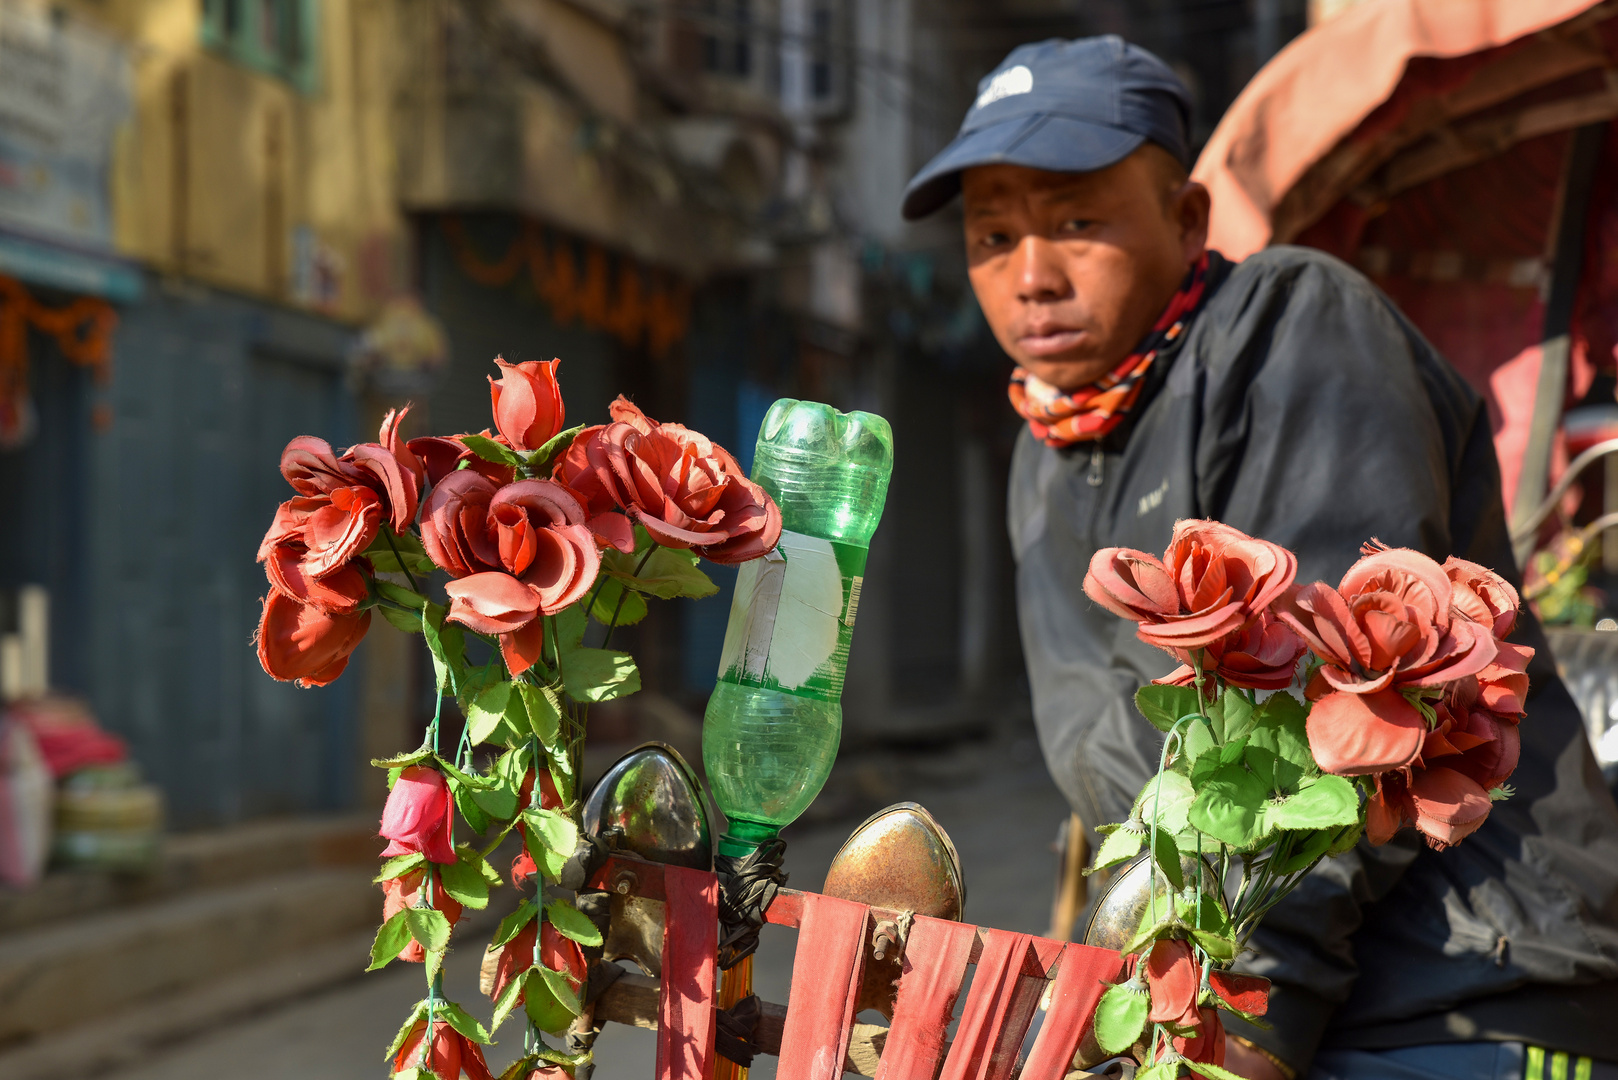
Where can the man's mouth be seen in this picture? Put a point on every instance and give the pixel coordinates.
(1049, 341)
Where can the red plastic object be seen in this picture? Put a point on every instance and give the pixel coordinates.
(685, 1022)
(832, 945)
(1079, 984)
(935, 960)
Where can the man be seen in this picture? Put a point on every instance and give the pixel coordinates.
(1287, 397)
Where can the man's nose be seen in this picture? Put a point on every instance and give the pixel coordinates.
(1038, 266)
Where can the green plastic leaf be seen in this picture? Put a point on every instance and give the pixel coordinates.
(467, 803)
(1197, 740)
(402, 596)
(407, 621)
(488, 711)
(1168, 803)
(1307, 848)
(1280, 728)
(489, 450)
(1211, 1072)
(391, 938)
(447, 642)
(599, 674)
(429, 927)
(1228, 805)
(1165, 705)
(457, 1018)
(464, 881)
(552, 839)
(540, 1003)
(539, 461)
(1231, 752)
(1167, 856)
(1346, 839)
(499, 802)
(570, 626)
(414, 1073)
(1215, 945)
(561, 990)
(399, 865)
(668, 573)
(512, 924)
(506, 1002)
(542, 710)
(616, 605)
(1233, 714)
(417, 1013)
(570, 922)
(1323, 802)
(1159, 1070)
(1118, 847)
(400, 761)
(1120, 1018)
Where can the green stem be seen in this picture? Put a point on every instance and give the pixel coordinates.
(387, 534)
(624, 595)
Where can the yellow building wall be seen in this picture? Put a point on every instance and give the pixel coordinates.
(220, 166)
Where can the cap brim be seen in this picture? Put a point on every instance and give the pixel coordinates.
(1042, 141)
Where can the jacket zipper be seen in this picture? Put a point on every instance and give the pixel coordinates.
(1096, 461)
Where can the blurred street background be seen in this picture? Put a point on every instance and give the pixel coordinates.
(225, 223)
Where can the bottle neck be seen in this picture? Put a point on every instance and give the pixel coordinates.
(743, 837)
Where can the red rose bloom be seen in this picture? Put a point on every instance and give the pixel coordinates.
(686, 491)
(443, 454)
(1208, 1044)
(388, 470)
(302, 642)
(451, 1053)
(419, 815)
(1482, 595)
(527, 403)
(404, 892)
(516, 552)
(1444, 792)
(1262, 656)
(1212, 581)
(523, 866)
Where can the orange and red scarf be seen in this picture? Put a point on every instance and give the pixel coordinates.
(1092, 411)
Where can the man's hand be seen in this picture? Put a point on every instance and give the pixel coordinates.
(1243, 1060)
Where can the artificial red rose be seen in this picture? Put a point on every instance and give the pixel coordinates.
(555, 952)
(1444, 793)
(1262, 656)
(1208, 1044)
(1245, 993)
(419, 815)
(331, 529)
(302, 642)
(1503, 685)
(450, 1054)
(527, 402)
(442, 455)
(1363, 734)
(387, 469)
(1483, 596)
(1173, 977)
(686, 491)
(1212, 581)
(517, 552)
(1388, 625)
(403, 892)
(340, 592)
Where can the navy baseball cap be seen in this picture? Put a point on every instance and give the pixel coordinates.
(1064, 106)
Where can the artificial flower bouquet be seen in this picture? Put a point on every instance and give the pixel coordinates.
(539, 530)
(1410, 699)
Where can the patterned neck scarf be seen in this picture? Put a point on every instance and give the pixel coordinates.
(1091, 411)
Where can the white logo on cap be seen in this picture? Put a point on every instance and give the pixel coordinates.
(1010, 82)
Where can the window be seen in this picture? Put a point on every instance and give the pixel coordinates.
(727, 38)
(273, 36)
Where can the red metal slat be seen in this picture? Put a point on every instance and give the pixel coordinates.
(1079, 984)
(1005, 993)
(832, 945)
(935, 959)
(685, 1022)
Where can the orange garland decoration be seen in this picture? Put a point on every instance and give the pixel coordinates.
(82, 329)
(642, 304)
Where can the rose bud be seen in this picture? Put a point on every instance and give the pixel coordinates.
(302, 642)
(451, 1053)
(404, 892)
(527, 403)
(419, 815)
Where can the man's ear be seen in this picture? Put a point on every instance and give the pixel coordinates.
(1189, 210)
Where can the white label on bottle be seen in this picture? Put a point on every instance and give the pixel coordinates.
(785, 616)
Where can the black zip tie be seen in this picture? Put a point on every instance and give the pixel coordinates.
(747, 887)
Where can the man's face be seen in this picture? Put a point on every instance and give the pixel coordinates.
(1072, 269)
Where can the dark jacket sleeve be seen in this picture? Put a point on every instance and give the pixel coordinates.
(1328, 422)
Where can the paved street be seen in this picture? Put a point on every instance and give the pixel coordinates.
(994, 799)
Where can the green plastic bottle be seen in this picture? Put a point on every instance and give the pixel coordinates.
(772, 727)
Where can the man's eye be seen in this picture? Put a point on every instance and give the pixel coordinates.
(1073, 225)
(993, 240)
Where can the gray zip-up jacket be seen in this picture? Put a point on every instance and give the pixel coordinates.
(1303, 408)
